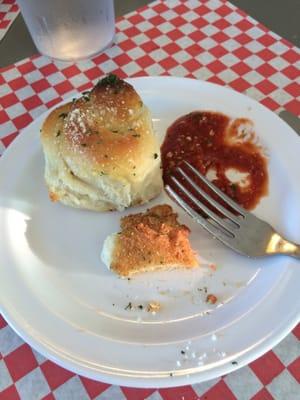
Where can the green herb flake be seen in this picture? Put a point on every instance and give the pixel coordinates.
(86, 95)
(140, 306)
(110, 79)
(234, 363)
(234, 187)
(63, 115)
(155, 156)
(58, 133)
(129, 306)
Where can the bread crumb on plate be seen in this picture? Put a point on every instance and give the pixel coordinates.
(149, 241)
(154, 307)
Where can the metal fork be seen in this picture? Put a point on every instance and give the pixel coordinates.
(244, 233)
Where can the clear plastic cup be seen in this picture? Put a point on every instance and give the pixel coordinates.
(69, 29)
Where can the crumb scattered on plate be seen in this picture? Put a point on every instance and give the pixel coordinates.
(154, 307)
(211, 299)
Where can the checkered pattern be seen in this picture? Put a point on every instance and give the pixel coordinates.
(9, 10)
(210, 40)
(26, 375)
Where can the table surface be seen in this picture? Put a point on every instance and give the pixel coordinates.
(210, 40)
(281, 17)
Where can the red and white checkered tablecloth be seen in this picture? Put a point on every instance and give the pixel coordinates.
(210, 40)
(8, 12)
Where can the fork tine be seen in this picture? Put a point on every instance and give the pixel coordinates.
(222, 195)
(210, 200)
(202, 221)
(198, 203)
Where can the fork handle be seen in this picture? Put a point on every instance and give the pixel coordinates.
(279, 245)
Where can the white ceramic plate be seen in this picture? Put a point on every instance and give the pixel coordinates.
(60, 298)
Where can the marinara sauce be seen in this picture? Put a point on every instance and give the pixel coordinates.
(215, 144)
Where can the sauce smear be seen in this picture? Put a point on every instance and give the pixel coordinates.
(222, 149)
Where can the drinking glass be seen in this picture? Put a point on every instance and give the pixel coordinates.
(69, 29)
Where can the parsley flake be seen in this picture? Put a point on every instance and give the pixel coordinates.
(110, 79)
(129, 306)
(63, 115)
(233, 187)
